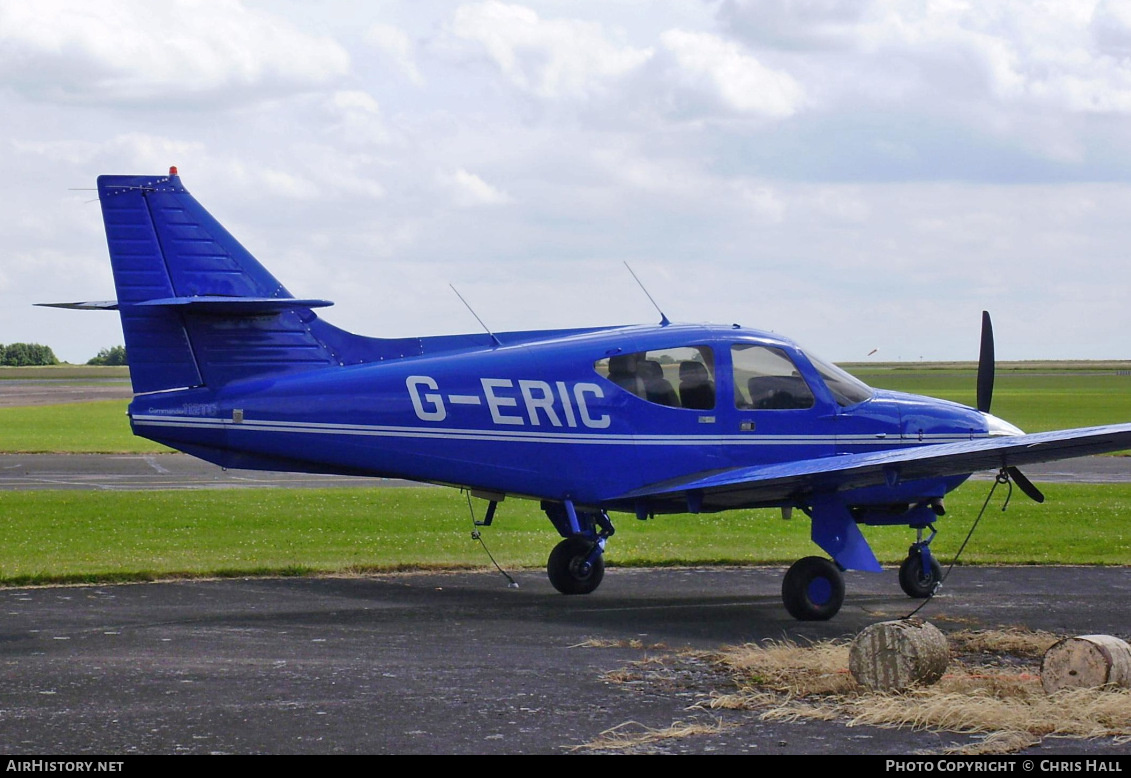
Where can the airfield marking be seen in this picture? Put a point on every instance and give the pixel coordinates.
(109, 472)
(149, 460)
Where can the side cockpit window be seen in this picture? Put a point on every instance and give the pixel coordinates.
(681, 377)
(766, 379)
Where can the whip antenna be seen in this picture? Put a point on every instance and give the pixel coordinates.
(663, 319)
(496, 341)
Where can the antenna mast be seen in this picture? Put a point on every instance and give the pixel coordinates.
(663, 319)
(496, 341)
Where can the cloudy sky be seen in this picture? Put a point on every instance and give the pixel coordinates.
(856, 174)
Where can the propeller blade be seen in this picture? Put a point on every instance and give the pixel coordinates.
(986, 365)
(1025, 485)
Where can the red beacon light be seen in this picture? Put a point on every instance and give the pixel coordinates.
(172, 170)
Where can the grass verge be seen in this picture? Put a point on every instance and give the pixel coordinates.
(73, 428)
(63, 373)
(73, 536)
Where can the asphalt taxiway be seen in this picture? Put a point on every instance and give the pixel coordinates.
(128, 472)
(180, 471)
(460, 663)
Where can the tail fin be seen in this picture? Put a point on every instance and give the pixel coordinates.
(197, 308)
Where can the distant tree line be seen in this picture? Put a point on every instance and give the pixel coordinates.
(35, 354)
(110, 356)
(26, 354)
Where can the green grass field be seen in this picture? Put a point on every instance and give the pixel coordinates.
(1034, 400)
(72, 428)
(52, 536)
(63, 373)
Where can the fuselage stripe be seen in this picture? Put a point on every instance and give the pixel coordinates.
(449, 433)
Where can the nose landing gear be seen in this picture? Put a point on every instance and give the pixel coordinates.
(920, 575)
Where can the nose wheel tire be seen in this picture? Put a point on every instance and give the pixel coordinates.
(569, 570)
(813, 589)
(918, 581)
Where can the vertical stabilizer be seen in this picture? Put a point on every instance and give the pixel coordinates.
(197, 308)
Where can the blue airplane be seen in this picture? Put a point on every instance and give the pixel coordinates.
(228, 366)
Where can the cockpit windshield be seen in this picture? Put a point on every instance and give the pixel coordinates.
(847, 389)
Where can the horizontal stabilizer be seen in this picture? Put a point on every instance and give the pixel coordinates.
(96, 305)
(235, 306)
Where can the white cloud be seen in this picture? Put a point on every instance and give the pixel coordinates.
(793, 24)
(284, 183)
(1012, 55)
(837, 205)
(1049, 55)
(760, 201)
(355, 117)
(130, 51)
(628, 167)
(397, 48)
(1110, 26)
(338, 173)
(136, 151)
(547, 57)
(739, 81)
(468, 190)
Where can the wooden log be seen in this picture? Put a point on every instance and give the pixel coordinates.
(1086, 662)
(895, 655)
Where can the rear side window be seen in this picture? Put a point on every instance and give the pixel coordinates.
(682, 377)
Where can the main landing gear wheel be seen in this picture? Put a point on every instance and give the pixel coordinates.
(813, 589)
(569, 570)
(917, 581)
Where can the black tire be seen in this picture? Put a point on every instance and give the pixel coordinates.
(813, 589)
(917, 582)
(566, 567)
